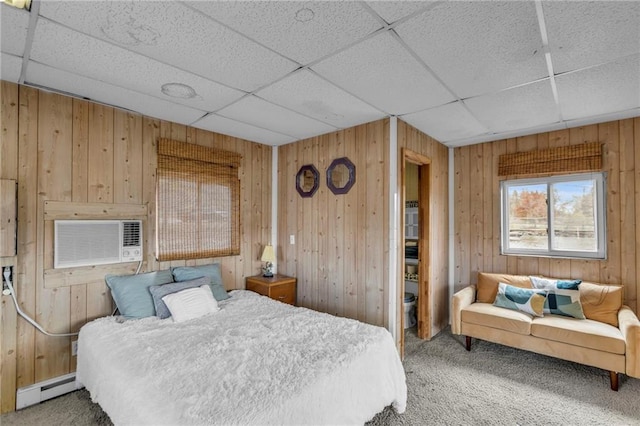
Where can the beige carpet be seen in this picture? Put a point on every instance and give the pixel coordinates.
(447, 385)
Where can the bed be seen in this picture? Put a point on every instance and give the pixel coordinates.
(255, 361)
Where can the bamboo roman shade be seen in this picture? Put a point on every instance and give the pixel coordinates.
(565, 159)
(198, 202)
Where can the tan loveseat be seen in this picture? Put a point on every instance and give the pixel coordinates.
(609, 337)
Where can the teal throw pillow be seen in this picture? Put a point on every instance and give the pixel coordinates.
(186, 273)
(131, 292)
(530, 301)
(563, 298)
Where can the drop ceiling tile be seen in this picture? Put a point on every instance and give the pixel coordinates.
(478, 47)
(600, 90)
(13, 32)
(178, 35)
(260, 113)
(227, 126)
(391, 11)
(518, 108)
(62, 48)
(309, 94)
(585, 33)
(300, 30)
(447, 122)
(381, 72)
(11, 67)
(108, 94)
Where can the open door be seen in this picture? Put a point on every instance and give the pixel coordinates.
(416, 180)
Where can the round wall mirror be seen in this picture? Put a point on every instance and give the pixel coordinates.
(341, 175)
(307, 180)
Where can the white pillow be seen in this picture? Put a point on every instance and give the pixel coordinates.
(191, 303)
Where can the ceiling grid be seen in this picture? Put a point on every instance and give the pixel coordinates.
(275, 72)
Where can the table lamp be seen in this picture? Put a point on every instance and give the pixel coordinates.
(268, 256)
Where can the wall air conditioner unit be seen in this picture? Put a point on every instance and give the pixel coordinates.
(96, 242)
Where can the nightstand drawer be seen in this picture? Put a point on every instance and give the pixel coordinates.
(278, 287)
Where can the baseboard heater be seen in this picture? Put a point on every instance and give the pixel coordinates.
(38, 392)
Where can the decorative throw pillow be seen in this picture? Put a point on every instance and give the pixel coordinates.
(186, 273)
(159, 291)
(131, 292)
(563, 298)
(191, 303)
(526, 300)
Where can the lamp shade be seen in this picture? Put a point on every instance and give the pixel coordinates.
(268, 255)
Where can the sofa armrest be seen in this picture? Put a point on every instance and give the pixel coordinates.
(461, 299)
(630, 328)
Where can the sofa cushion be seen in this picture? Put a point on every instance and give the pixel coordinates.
(492, 316)
(529, 300)
(584, 333)
(487, 287)
(601, 302)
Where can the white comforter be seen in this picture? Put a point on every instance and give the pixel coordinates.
(256, 361)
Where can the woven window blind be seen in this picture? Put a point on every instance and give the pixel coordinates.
(198, 202)
(574, 158)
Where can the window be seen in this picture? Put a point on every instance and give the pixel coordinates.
(559, 216)
(198, 199)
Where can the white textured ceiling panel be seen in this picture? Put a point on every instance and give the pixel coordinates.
(391, 11)
(519, 108)
(10, 68)
(173, 33)
(309, 94)
(446, 123)
(13, 31)
(260, 113)
(62, 48)
(381, 72)
(599, 90)
(585, 33)
(105, 93)
(300, 30)
(478, 47)
(227, 126)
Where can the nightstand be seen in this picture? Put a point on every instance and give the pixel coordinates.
(278, 287)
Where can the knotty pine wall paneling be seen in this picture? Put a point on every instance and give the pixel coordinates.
(340, 252)
(477, 209)
(64, 150)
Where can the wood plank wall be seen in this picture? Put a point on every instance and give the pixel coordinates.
(412, 139)
(64, 149)
(477, 216)
(339, 257)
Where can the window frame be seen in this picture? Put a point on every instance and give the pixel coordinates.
(600, 184)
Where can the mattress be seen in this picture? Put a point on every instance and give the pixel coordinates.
(255, 361)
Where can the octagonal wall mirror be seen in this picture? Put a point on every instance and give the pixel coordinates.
(307, 180)
(341, 175)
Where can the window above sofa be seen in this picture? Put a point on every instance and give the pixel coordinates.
(555, 216)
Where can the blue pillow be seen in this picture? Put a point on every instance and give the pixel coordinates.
(186, 273)
(563, 298)
(131, 292)
(528, 300)
(160, 291)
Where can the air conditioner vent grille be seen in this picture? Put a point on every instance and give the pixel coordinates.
(131, 234)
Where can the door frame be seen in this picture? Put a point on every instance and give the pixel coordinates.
(424, 243)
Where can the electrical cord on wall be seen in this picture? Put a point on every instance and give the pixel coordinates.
(7, 278)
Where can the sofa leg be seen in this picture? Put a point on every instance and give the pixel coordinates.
(468, 342)
(614, 380)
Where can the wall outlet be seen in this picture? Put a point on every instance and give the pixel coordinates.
(74, 348)
(292, 239)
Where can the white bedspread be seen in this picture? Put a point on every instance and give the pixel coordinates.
(256, 361)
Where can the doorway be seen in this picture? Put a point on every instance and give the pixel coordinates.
(415, 247)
